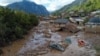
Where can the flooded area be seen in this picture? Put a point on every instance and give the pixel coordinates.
(49, 28)
(74, 50)
(37, 43)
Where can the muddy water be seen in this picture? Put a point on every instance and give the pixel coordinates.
(36, 44)
(39, 40)
(74, 50)
(33, 43)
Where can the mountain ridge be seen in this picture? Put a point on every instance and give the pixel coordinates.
(29, 7)
(78, 5)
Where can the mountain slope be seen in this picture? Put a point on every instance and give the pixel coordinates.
(77, 5)
(29, 7)
(87, 6)
(90, 5)
(67, 7)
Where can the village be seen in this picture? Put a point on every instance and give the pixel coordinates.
(57, 36)
(89, 22)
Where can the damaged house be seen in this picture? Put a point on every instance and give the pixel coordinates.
(65, 25)
(76, 19)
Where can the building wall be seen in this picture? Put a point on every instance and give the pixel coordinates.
(92, 28)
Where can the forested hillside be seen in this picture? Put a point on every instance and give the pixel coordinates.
(14, 24)
(78, 5)
(88, 6)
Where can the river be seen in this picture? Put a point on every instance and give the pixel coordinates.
(37, 41)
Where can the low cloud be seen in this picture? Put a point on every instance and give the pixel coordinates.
(51, 5)
(6, 2)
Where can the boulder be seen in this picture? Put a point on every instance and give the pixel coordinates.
(72, 27)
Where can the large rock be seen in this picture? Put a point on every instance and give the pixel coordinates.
(72, 27)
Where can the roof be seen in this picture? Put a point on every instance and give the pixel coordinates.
(79, 20)
(94, 12)
(95, 20)
(76, 17)
(46, 18)
(62, 21)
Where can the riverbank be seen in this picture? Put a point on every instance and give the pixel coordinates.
(13, 48)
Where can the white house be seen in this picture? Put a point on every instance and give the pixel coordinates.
(77, 20)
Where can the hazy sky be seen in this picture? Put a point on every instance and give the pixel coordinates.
(51, 5)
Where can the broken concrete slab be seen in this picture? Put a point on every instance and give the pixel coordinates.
(57, 46)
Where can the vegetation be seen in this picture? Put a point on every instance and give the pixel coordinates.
(97, 48)
(80, 5)
(88, 6)
(86, 20)
(14, 24)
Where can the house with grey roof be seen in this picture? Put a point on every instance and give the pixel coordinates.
(93, 25)
(61, 22)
